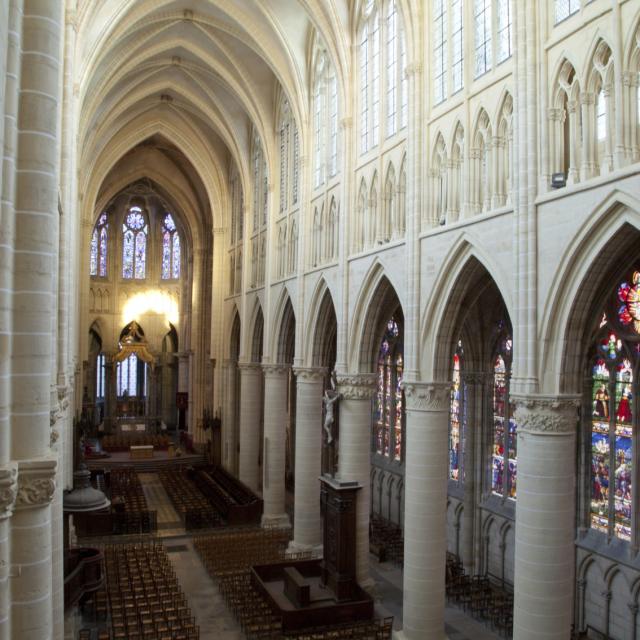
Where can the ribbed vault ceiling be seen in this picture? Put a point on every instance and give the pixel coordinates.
(191, 78)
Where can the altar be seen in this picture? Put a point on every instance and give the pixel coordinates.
(141, 452)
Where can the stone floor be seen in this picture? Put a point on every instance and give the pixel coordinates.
(209, 609)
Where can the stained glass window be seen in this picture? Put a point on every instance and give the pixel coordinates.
(613, 419)
(389, 400)
(456, 418)
(170, 249)
(504, 457)
(127, 376)
(98, 249)
(482, 20)
(134, 245)
(100, 376)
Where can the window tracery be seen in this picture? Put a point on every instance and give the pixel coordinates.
(98, 250)
(134, 244)
(389, 398)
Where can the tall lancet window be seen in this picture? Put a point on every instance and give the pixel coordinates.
(389, 402)
(170, 249)
(614, 375)
(134, 245)
(456, 418)
(504, 465)
(99, 246)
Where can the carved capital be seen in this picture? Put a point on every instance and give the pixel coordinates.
(357, 386)
(548, 415)
(310, 374)
(249, 367)
(8, 490)
(427, 396)
(346, 123)
(36, 482)
(275, 370)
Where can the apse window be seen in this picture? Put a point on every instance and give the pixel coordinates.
(134, 245)
(170, 249)
(98, 250)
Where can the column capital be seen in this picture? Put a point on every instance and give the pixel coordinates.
(310, 374)
(427, 396)
(546, 415)
(229, 362)
(8, 490)
(246, 367)
(36, 482)
(358, 386)
(276, 370)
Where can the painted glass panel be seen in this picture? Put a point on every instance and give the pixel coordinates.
(176, 255)
(93, 254)
(454, 422)
(140, 255)
(127, 254)
(623, 442)
(600, 449)
(499, 398)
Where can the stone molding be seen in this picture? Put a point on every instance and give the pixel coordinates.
(359, 386)
(275, 370)
(250, 367)
(546, 415)
(8, 490)
(309, 374)
(427, 396)
(476, 377)
(36, 482)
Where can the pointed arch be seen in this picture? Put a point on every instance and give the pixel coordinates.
(591, 259)
(374, 303)
(399, 223)
(466, 263)
(321, 327)
(358, 228)
(256, 345)
(371, 221)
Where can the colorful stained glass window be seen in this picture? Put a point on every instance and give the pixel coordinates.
(170, 249)
(389, 400)
(504, 456)
(98, 249)
(613, 418)
(127, 376)
(455, 418)
(134, 245)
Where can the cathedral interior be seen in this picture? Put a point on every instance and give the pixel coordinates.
(295, 339)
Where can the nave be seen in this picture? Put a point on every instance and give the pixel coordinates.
(205, 570)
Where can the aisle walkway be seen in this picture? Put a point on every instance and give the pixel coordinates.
(212, 616)
(169, 523)
(210, 611)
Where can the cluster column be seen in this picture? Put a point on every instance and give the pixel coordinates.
(276, 382)
(545, 527)
(229, 416)
(250, 405)
(307, 532)
(425, 525)
(354, 463)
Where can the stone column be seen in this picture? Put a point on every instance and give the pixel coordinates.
(276, 380)
(425, 524)
(31, 550)
(250, 400)
(545, 527)
(354, 457)
(473, 388)
(8, 489)
(307, 531)
(229, 417)
(35, 258)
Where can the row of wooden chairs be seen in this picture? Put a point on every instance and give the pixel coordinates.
(115, 443)
(224, 480)
(233, 550)
(249, 607)
(126, 489)
(194, 509)
(386, 540)
(258, 621)
(145, 599)
(484, 599)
